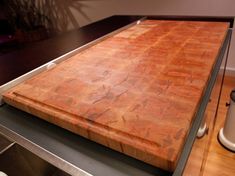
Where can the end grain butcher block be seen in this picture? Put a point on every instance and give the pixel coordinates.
(136, 92)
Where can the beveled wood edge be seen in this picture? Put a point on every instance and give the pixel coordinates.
(85, 129)
(167, 17)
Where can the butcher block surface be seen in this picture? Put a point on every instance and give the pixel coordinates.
(136, 92)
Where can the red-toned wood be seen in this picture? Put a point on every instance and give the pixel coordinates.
(135, 92)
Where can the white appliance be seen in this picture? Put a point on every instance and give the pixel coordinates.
(227, 133)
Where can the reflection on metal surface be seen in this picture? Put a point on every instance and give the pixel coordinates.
(4, 143)
(16, 160)
(38, 149)
(34, 153)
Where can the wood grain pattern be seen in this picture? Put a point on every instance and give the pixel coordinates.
(197, 159)
(221, 161)
(135, 92)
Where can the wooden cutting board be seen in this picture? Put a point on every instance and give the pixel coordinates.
(136, 92)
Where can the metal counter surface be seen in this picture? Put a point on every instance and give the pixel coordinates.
(80, 152)
(87, 155)
(135, 91)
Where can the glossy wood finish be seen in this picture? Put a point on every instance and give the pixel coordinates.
(136, 92)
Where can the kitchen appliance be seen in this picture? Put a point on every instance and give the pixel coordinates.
(227, 133)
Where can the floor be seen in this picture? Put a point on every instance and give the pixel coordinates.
(221, 162)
